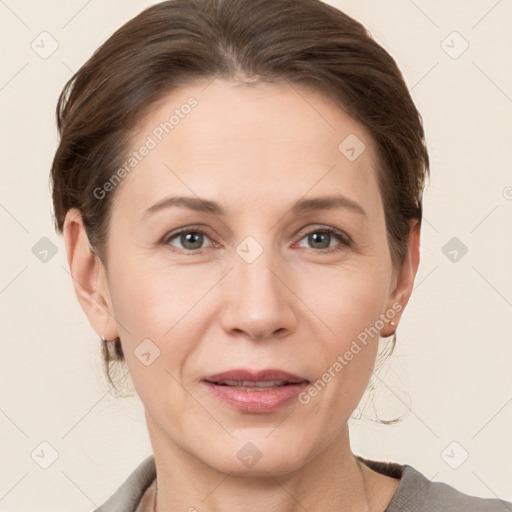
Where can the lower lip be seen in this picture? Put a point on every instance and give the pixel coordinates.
(257, 401)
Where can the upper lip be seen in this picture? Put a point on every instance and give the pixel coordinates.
(246, 374)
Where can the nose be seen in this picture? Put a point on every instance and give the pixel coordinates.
(260, 303)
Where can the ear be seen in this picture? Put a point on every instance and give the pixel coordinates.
(89, 276)
(404, 280)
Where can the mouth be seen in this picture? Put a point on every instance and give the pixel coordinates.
(251, 391)
(253, 380)
(253, 386)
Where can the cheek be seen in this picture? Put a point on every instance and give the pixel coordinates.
(150, 301)
(348, 299)
(166, 305)
(343, 361)
(349, 308)
(152, 310)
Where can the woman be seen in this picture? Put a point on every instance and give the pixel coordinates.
(239, 185)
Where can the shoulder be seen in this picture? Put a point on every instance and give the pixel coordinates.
(127, 497)
(416, 493)
(442, 497)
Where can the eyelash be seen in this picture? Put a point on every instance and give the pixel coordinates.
(344, 239)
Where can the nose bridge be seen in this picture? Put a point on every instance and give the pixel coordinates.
(259, 301)
(259, 282)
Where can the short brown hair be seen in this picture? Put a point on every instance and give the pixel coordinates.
(178, 42)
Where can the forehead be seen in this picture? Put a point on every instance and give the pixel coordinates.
(263, 140)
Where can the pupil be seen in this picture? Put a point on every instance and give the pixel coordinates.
(189, 239)
(316, 236)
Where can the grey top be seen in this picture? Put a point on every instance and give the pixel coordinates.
(415, 493)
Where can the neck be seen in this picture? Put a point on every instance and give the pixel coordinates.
(331, 480)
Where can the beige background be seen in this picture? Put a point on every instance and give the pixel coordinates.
(450, 375)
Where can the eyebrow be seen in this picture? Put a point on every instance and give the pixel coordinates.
(212, 207)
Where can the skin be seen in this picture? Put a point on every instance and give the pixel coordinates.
(255, 149)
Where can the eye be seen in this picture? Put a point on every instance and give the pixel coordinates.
(190, 239)
(322, 238)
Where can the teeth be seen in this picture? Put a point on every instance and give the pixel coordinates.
(251, 384)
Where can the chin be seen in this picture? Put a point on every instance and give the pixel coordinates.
(256, 456)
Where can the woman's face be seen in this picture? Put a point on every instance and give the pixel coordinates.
(254, 282)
